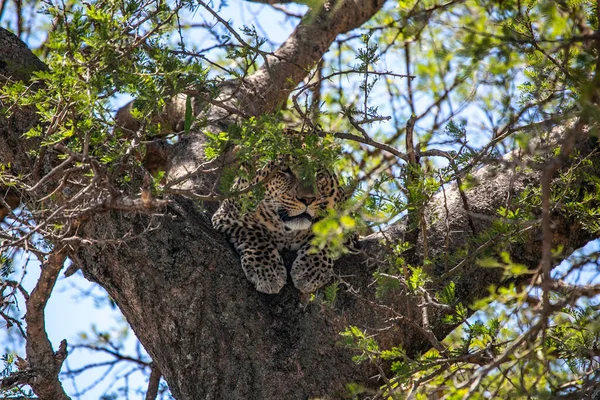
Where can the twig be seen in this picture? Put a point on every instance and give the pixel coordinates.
(153, 382)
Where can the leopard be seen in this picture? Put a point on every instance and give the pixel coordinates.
(282, 220)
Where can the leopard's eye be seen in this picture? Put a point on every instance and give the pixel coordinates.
(322, 181)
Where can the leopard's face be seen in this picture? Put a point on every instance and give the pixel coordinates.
(282, 220)
(298, 202)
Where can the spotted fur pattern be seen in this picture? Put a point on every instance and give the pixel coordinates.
(282, 221)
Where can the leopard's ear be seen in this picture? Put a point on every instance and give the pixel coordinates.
(340, 196)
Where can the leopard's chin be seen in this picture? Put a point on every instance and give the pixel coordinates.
(298, 222)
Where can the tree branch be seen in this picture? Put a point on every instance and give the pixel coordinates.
(45, 363)
(274, 81)
(153, 382)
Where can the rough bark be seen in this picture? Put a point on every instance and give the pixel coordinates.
(181, 287)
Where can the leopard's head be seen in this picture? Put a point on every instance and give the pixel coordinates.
(298, 201)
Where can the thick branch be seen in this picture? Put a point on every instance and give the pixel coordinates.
(301, 52)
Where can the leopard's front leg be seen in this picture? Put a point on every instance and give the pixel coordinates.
(261, 261)
(311, 270)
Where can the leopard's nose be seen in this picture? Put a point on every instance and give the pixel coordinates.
(306, 200)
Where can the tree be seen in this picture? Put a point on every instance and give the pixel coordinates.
(471, 214)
